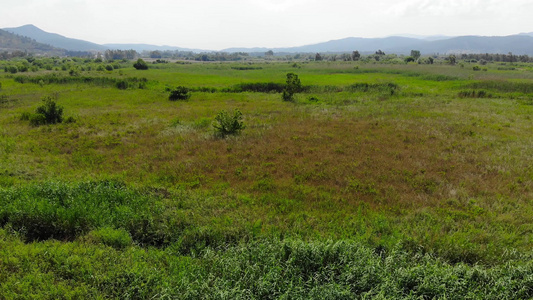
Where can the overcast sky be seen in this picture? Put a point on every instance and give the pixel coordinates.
(215, 24)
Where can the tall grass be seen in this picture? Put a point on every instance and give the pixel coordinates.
(255, 270)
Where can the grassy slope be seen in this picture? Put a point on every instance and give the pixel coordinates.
(440, 174)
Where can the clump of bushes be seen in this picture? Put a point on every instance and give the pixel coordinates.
(179, 93)
(140, 65)
(48, 113)
(228, 124)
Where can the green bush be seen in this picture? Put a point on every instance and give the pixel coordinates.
(52, 112)
(179, 93)
(293, 86)
(122, 85)
(228, 124)
(140, 65)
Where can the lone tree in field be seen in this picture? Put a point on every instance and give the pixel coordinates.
(356, 55)
(415, 54)
(140, 65)
(293, 86)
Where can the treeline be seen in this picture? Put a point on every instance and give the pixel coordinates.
(489, 57)
(204, 56)
(120, 54)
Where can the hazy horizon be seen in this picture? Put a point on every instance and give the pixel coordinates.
(214, 25)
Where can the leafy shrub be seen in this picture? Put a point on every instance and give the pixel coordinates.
(228, 124)
(140, 65)
(476, 68)
(293, 86)
(52, 112)
(11, 69)
(109, 67)
(179, 93)
(122, 85)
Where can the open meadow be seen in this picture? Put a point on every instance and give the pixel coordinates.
(376, 181)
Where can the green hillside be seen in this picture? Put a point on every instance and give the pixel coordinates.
(11, 42)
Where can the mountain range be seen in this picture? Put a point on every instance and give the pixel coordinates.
(517, 44)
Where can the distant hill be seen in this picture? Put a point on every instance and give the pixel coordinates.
(147, 47)
(12, 42)
(517, 44)
(54, 39)
(527, 33)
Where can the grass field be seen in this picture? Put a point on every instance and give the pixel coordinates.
(377, 181)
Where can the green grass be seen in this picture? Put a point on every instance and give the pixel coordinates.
(422, 172)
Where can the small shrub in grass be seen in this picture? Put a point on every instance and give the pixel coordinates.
(228, 124)
(122, 85)
(116, 238)
(179, 93)
(52, 112)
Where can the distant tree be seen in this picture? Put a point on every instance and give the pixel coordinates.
(318, 57)
(293, 86)
(356, 55)
(415, 54)
(140, 65)
(379, 52)
(409, 59)
(269, 53)
(451, 59)
(430, 60)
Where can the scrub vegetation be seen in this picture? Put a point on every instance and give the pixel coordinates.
(371, 180)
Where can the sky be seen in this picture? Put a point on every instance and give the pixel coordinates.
(216, 25)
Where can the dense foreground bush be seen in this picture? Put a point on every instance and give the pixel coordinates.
(288, 269)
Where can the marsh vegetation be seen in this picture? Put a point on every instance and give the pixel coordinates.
(373, 180)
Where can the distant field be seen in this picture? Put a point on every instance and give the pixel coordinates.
(391, 181)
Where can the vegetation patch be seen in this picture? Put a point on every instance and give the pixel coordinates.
(54, 78)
